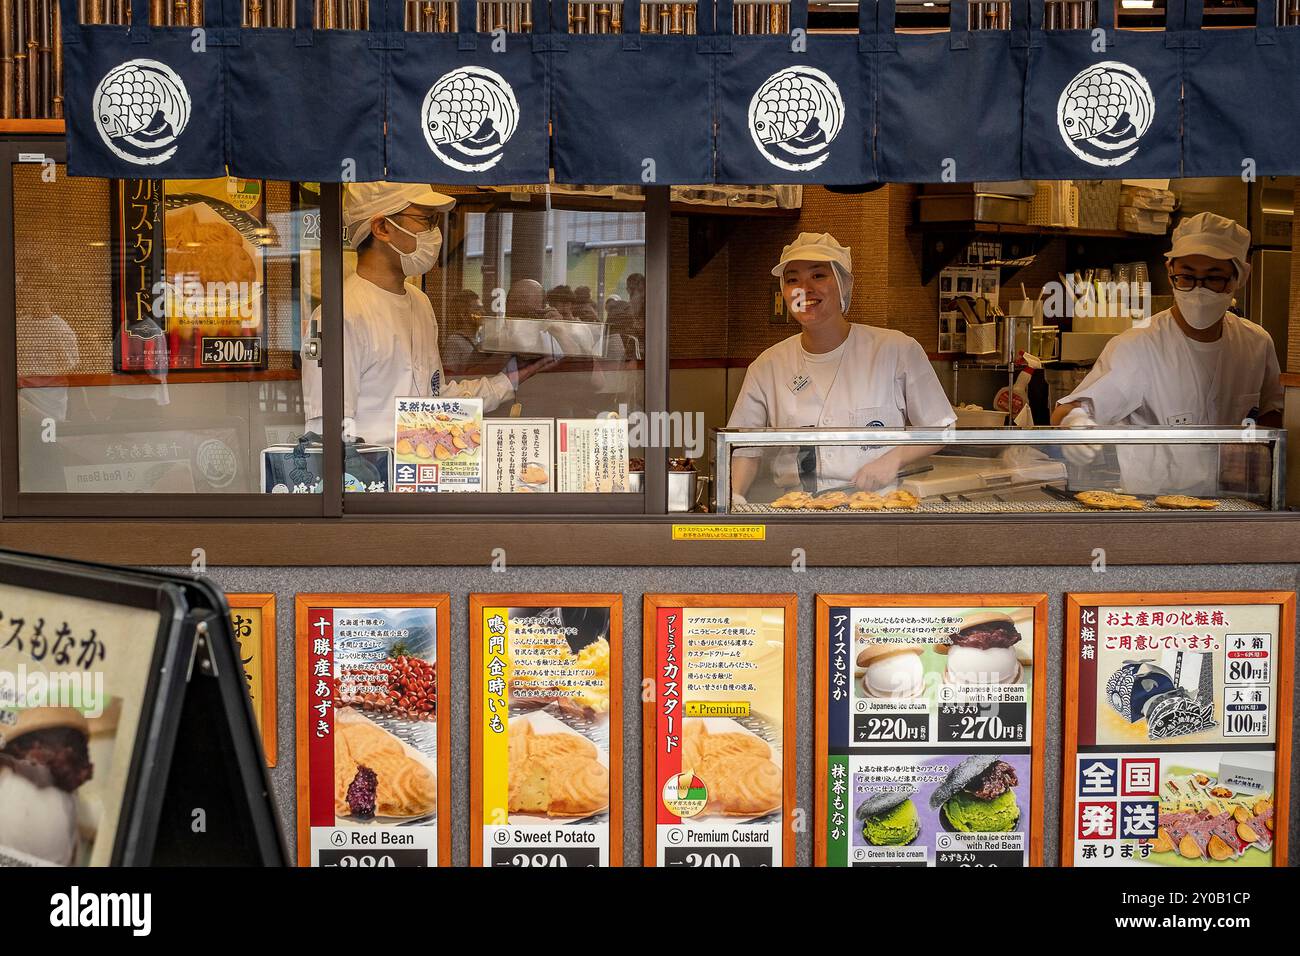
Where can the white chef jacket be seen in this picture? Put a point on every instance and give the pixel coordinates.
(884, 380)
(1156, 376)
(390, 350)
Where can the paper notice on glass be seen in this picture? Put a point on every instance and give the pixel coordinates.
(438, 444)
(519, 455)
(592, 455)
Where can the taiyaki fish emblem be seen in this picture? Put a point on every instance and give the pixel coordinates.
(141, 108)
(468, 116)
(1104, 111)
(794, 116)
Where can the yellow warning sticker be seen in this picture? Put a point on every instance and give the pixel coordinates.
(719, 532)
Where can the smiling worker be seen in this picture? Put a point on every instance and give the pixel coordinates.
(834, 373)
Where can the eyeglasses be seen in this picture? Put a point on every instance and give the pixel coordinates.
(1186, 283)
(425, 222)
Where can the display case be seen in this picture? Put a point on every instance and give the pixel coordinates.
(874, 471)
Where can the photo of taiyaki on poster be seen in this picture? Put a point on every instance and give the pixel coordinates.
(734, 767)
(908, 653)
(916, 802)
(54, 765)
(386, 717)
(1215, 811)
(558, 716)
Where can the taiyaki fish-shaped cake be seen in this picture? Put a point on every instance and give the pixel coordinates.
(737, 769)
(557, 774)
(404, 787)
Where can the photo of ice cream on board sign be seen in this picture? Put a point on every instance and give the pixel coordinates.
(940, 653)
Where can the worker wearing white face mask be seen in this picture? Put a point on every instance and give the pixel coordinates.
(390, 334)
(1195, 364)
(834, 373)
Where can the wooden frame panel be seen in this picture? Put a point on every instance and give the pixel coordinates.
(267, 695)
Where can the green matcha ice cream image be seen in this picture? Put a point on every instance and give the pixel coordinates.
(969, 814)
(977, 796)
(890, 818)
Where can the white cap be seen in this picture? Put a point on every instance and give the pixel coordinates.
(1207, 234)
(821, 247)
(365, 201)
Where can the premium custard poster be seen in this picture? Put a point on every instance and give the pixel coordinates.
(719, 732)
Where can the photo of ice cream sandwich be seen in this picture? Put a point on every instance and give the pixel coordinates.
(891, 670)
(978, 796)
(987, 649)
(889, 818)
(44, 760)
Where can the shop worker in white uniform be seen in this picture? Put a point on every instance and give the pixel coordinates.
(834, 373)
(390, 335)
(1195, 364)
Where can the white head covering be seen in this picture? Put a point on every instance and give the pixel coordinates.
(365, 201)
(821, 247)
(1207, 234)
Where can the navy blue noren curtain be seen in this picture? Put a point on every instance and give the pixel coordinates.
(145, 102)
(468, 107)
(1103, 103)
(307, 104)
(1242, 97)
(949, 104)
(633, 108)
(796, 108)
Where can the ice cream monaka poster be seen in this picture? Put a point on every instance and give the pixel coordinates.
(930, 723)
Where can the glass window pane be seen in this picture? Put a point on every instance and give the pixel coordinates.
(511, 364)
(157, 332)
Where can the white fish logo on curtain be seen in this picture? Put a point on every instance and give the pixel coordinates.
(469, 115)
(794, 116)
(1104, 111)
(141, 108)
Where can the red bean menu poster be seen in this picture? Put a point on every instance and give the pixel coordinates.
(372, 746)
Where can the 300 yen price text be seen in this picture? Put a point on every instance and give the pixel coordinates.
(996, 723)
(710, 856)
(232, 350)
(878, 728)
(507, 856)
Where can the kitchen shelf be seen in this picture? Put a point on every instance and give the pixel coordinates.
(44, 126)
(942, 242)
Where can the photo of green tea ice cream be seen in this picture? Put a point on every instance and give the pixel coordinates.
(978, 796)
(890, 818)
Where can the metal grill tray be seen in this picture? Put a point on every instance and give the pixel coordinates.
(1049, 506)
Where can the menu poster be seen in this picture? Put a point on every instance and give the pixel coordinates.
(546, 730)
(1177, 729)
(931, 721)
(438, 444)
(252, 620)
(519, 455)
(189, 274)
(720, 729)
(373, 749)
(592, 455)
(73, 679)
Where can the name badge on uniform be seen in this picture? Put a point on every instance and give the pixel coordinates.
(1185, 418)
(799, 383)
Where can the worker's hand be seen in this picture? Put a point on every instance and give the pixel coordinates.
(878, 472)
(1080, 454)
(521, 373)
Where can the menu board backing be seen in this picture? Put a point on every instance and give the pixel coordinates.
(1283, 663)
(1038, 718)
(260, 666)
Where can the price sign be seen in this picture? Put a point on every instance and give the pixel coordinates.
(382, 858)
(229, 350)
(519, 856)
(717, 856)
(884, 728)
(993, 723)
